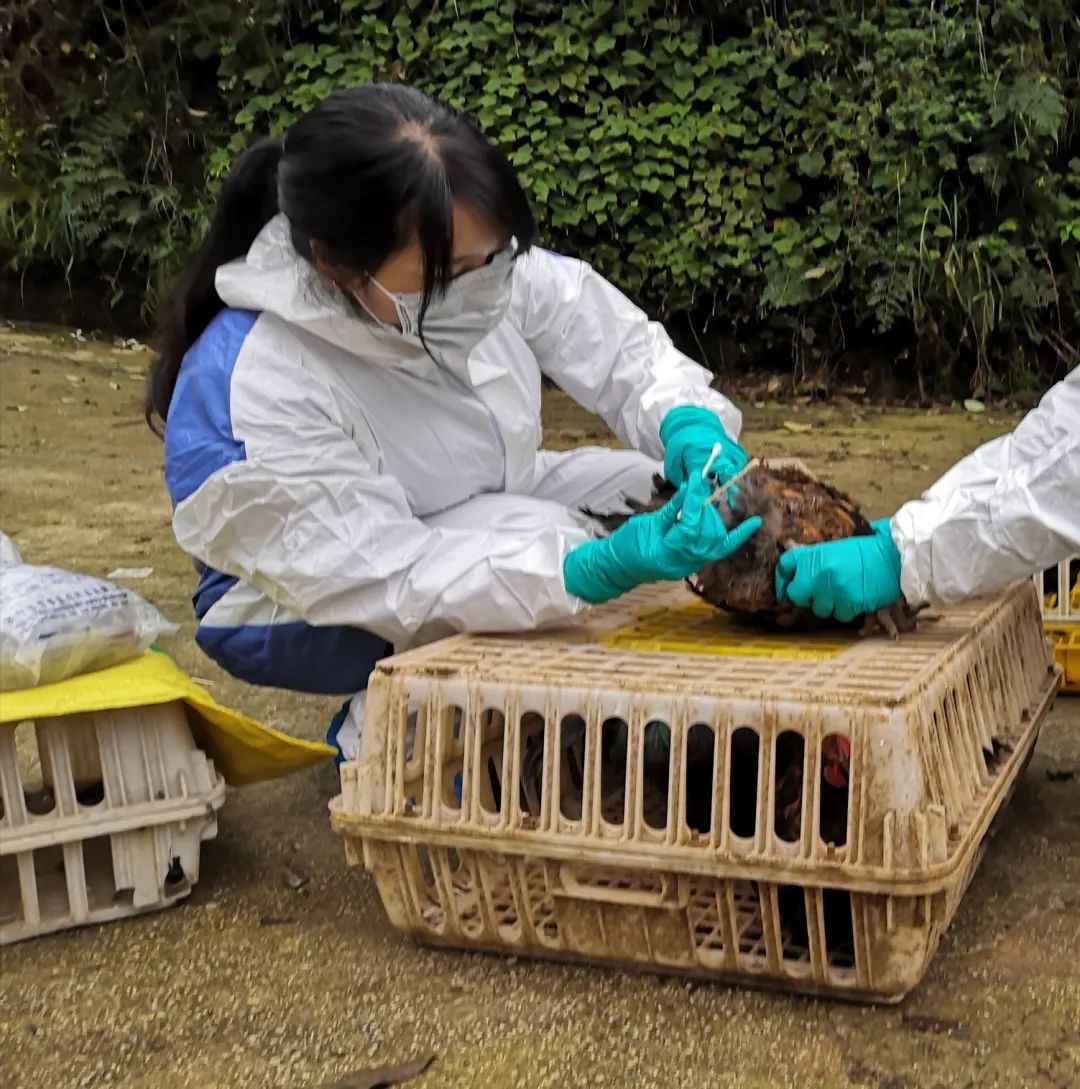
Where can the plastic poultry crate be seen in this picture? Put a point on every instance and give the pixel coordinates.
(811, 823)
(101, 817)
(1059, 588)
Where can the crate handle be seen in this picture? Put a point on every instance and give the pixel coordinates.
(669, 895)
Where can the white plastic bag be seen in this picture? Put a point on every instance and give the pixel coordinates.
(56, 624)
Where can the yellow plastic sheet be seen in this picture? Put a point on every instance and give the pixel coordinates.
(244, 751)
(697, 628)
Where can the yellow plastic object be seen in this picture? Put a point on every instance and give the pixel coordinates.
(244, 751)
(1066, 640)
(697, 628)
(1061, 617)
(1050, 600)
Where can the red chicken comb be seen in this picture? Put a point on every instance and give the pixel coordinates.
(836, 754)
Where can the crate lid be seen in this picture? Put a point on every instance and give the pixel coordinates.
(662, 639)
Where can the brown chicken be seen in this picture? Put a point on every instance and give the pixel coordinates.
(795, 509)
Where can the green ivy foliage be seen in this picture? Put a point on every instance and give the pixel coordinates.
(817, 176)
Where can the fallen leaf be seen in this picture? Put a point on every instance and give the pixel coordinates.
(815, 273)
(74, 379)
(114, 385)
(1049, 1079)
(69, 400)
(862, 1073)
(17, 408)
(759, 404)
(130, 573)
(798, 428)
(974, 406)
(927, 1022)
(773, 385)
(197, 113)
(295, 879)
(380, 1077)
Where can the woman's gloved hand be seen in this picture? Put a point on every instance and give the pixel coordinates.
(671, 543)
(689, 434)
(842, 579)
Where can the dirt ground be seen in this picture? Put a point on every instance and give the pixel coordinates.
(254, 984)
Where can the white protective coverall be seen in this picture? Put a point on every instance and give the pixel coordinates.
(1003, 513)
(343, 495)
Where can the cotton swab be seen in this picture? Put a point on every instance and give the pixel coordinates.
(753, 463)
(714, 454)
(712, 457)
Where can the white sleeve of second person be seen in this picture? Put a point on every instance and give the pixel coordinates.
(1005, 512)
(604, 351)
(307, 521)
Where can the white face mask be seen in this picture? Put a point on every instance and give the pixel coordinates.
(474, 303)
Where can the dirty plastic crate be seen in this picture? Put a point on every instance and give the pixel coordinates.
(101, 817)
(503, 799)
(1059, 588)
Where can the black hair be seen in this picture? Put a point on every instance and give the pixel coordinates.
(360, 174)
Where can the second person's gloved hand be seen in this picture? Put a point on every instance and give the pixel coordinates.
(842, 579)
(689, 434)
(655, 546)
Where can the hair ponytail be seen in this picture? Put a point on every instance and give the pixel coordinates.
(248, 200)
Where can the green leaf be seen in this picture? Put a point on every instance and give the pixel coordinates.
(811, 164)
(256, 76)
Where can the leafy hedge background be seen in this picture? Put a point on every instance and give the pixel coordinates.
(803, 179)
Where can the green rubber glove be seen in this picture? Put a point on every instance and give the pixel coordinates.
(842, 579)
(671, 543)
(689, 434)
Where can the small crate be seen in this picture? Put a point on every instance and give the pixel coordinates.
(1059, 589)
(504, 797)
(101, 817)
